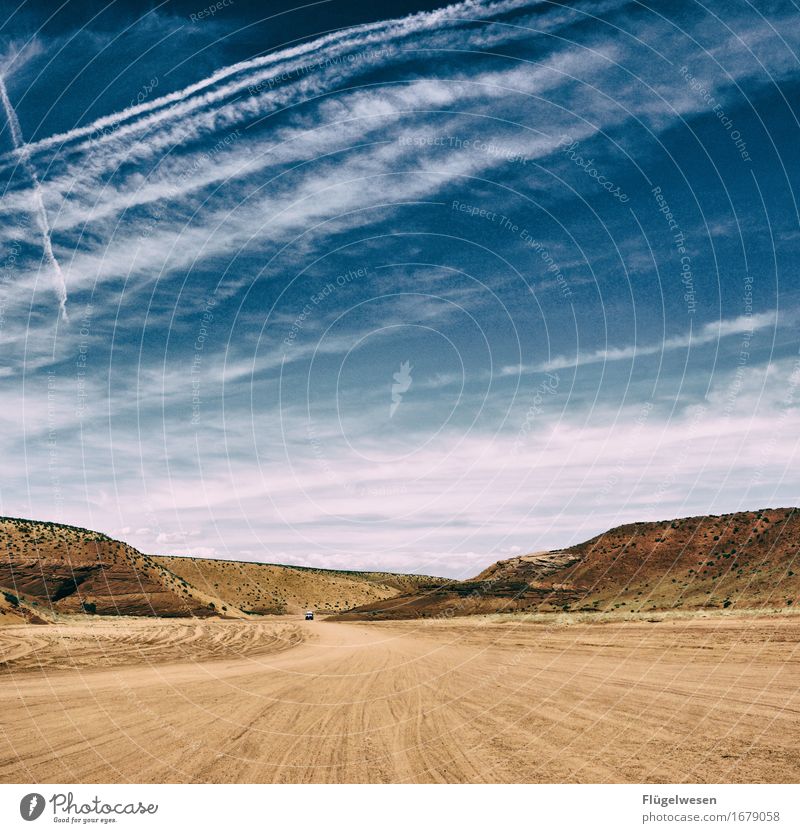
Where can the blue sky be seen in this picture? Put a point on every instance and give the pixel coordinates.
(401, 288)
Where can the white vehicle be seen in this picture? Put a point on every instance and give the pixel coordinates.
(309, 614)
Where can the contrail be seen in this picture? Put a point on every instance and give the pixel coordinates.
(175, 105)
(38, 199)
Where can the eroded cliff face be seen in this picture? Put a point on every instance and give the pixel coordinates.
(63, 570)
(70, 570)
(740, 560)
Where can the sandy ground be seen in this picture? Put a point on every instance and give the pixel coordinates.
(684, 700)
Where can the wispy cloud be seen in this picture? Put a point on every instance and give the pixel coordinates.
(303, 59)
(707, 334)
(259, 184)
(39, 210)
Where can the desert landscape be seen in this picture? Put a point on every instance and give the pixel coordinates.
(474, 700)
(653, 653)
(400, 393)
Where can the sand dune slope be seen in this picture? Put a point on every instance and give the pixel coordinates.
(710, 700)
(89, 643)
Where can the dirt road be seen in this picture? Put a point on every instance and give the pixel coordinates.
(467, 701)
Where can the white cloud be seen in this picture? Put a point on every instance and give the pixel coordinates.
(707, 334)
(466, 499)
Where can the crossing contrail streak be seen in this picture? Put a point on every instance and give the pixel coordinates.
(239, 77)
(40, 213)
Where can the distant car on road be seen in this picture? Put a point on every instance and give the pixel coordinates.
(309, 614)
